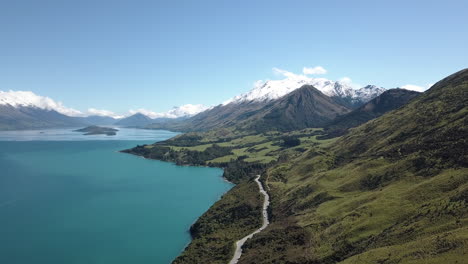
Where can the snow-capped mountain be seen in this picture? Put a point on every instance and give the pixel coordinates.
(18, 99)
(26, 110)
(29, 99)
(274, 89)
(368, 92)
(176, 112)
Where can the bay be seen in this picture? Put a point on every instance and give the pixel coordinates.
(71, 198)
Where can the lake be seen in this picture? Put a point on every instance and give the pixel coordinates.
(69, 198)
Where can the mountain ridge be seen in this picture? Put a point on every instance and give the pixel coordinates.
(387, 101)
(302, 108)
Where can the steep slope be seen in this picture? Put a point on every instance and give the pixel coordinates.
(303, 108)
(225, 115)
(136, 120)
(20, 117)
(387, 101)
(216, 117)
(394, 190)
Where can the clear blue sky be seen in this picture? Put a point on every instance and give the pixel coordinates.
(118, 55)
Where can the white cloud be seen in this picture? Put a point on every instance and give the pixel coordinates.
(346, 80)
(101, 112)
(314, 70)
(285, 73)
(413, 87)
(186, 110)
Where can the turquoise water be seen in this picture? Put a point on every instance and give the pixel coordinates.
(81, 201)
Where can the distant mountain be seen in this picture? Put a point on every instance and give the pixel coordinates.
(27, 117)
(26, 110)
(302, 108)
(98, 120)
(136, 120)
(274, 89)
(389, 100)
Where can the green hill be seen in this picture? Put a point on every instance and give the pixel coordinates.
(394, 190)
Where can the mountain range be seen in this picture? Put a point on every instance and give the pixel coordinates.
(389, 100)
(255, 104)
(25, 110)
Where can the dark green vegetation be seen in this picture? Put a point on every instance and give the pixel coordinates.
(240, 155)
(215, 232)
(392, 190)
(97, 130)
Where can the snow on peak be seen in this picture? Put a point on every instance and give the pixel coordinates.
(176, 112)
(29, 99)
(185, 110)
(369, 92)
(274, 89)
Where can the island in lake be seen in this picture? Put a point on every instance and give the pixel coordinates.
(97, 130)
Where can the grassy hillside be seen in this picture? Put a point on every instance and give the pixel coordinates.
(241, 155)
(394, 190)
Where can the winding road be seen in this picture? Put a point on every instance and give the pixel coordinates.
(266, 203)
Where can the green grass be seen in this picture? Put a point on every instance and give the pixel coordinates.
(196, 148)
(394, 190)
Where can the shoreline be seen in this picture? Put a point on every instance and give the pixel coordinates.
(265, 204)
